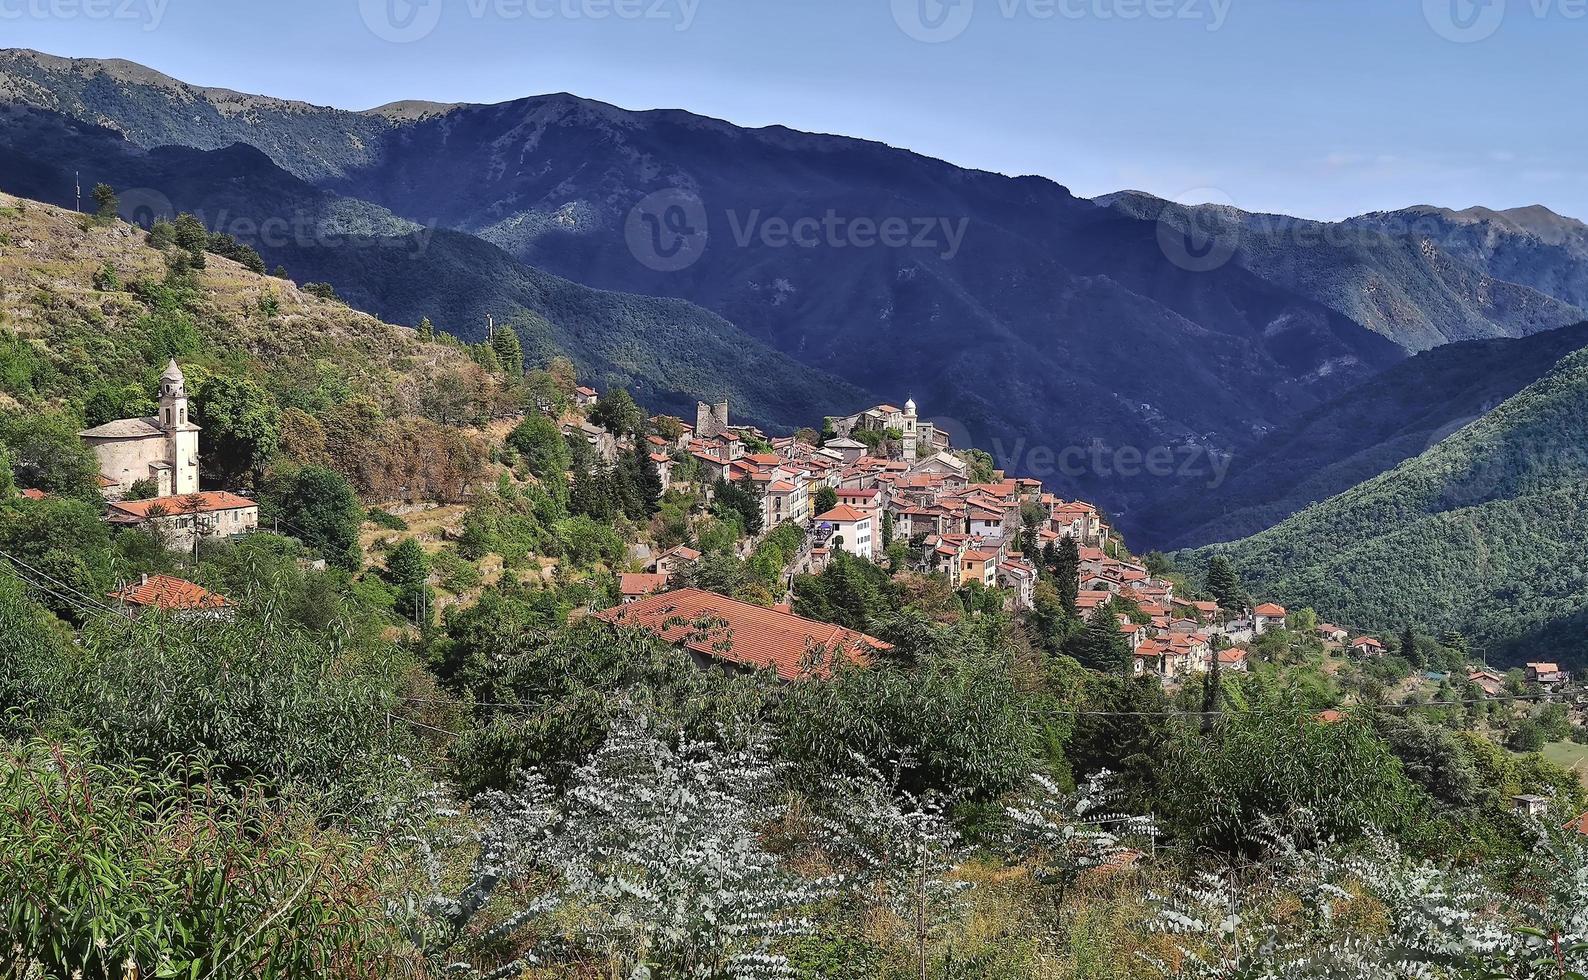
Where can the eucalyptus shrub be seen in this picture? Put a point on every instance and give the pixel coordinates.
(111, 871)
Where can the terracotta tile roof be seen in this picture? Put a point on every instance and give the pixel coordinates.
(641, 583)
(207, 502)
(780, 486)
(32, 493)
(1270, 609)
(165, 592)
(746, 634)
(1367, 641)
(1330, 716)
(843, 513)
(587, 392)
(1580, 825)
(1232, 656)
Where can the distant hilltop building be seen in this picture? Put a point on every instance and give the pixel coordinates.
(916, 438)
(161, 448)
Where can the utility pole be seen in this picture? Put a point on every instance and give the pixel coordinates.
(77, 179)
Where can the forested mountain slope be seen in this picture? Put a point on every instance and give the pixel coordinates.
(1363, 432)
(1486, 533)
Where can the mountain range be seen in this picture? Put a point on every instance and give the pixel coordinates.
(1022, 318)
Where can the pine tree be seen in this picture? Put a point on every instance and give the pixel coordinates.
(105, 203)
(426, 329)
(1067, 574)
(1409, 649)
(1224, 584)
(509, 351)
(1100, 645)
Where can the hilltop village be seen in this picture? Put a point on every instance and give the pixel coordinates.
(883, 486)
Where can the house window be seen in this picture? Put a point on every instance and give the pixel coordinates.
(184, 416)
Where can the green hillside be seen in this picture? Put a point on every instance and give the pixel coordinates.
(1364, 432)
(1486, 533)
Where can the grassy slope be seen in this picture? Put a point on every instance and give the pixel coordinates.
(48, 263)
(1486, 533)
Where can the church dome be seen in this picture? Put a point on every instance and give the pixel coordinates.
(172, 372)
(909, 407)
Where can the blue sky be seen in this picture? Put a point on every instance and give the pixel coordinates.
(1316, 107)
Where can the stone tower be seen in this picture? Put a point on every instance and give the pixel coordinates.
(181, 435)
(711, 420)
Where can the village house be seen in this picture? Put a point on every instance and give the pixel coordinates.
(851, 530)
(1268, 616)
(1530, 805)
(1366, 646)
(178, 597)
(739, 636)
(585, 398)
(183, 520)
(671, 561)
(1333, 634)
(1490, 683)
(161, 450)
(636, 585)
(1546, 673)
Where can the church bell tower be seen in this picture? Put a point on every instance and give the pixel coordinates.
(181, 435)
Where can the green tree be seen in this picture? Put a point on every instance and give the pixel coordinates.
(737, 502)
(106, 205)
(508, 351)
(1100, 645)
(1067, 573)
(542, 445)
(242, 427)
(318, 506)
(408, 571)
(826, 499)
(1224, 584)
(46, 454)
(617, 413)
(426, 330)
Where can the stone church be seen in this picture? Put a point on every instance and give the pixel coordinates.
(163, 448)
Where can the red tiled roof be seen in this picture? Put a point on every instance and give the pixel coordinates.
(1580, 825)
(165, 592)
(206, 502)
(843, 513)
(641, 583)
(32, 493)
(1366, 641)
(746, 634)
(1269, 609)
(1329, 716)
